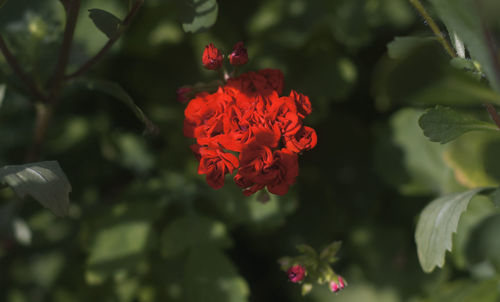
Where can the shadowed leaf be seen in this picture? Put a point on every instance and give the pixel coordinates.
(44, 181)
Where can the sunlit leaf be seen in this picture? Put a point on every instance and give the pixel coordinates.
(44, 181)
(474, 159)
(117, 246)
(194, 232)
(210, 276)
(443, 124)
(436, 225)
(197, 15)
(105, 21)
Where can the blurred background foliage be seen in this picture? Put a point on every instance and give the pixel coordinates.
(143, 226)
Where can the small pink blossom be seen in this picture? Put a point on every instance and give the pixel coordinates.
(334, 287)
(296, 273)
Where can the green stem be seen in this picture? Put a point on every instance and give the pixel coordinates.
(16, 67)
(435, 29)
(126, 22)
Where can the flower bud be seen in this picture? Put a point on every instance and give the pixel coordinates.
(212, 57)
(296, 273)
(182, 94)
(342, 282)
(239, 56)
(334, 287)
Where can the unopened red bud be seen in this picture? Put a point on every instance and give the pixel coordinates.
(239, 56)
(296, 273)
(182, 94)
(212, 57)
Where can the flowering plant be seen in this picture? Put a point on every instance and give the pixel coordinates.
(249, 126)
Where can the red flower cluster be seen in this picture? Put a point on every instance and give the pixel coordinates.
(248, 115)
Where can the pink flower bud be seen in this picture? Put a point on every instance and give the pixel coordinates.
(334, 287)
(296, 273)
(342, 282)
(239, 56)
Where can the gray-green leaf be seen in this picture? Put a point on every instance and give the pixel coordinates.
(443, 124)
(44, 181)
(105, 21)
(436, 225)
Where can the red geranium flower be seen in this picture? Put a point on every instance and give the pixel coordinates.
(248, 115)
(216, 164)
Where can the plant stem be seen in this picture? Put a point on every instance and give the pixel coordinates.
(435, 29)
(44, 113)
(493, 114)
(73, 7)
(128, 19)
(14, 64)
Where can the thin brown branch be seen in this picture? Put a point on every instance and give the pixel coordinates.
(98, 56)
(435, 29)
(16, 67)
(73, 8)
(493, 114)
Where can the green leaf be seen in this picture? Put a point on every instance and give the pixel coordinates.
(106, 22)
(401, 47)
(116, 91)
(436, 225)
(194, 232)
(329, 252)
(211, 277)
(443, 124)
(462, 16)
(116, 247)
(197, 15)
(409, 161)
(474, 159)
(485, 242)
(44, 181)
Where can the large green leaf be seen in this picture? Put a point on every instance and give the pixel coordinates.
(409, 161)
(462, 16)
(211, 277)
(197, 15)
(44, 181)
(105, 21)
(443, 124)
(194, 231)
(436, 225)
